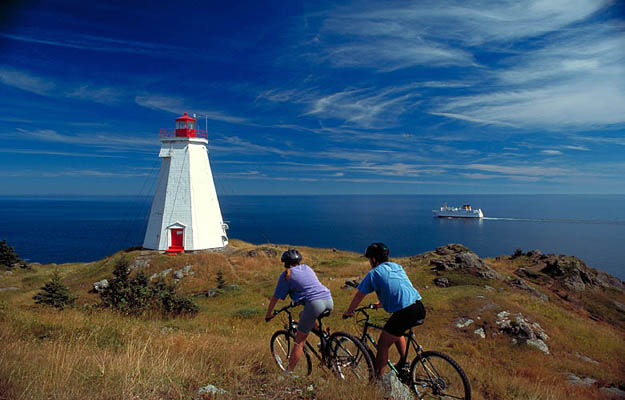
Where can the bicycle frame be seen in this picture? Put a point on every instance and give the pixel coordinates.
(423, 360)
(322, 355)
(367, 338)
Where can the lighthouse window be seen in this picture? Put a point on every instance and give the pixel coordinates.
(179, 125)
(190, 125)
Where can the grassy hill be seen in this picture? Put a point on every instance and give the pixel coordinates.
(86, 352)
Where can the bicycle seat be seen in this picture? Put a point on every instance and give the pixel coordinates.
(324, 314)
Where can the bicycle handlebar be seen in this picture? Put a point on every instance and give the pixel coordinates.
(371, 306)
(287, 307)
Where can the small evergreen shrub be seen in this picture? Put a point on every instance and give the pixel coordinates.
(55, 294)
(8, 256)
(137, 295)
(221, 282)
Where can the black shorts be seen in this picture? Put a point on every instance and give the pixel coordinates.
(405, 319)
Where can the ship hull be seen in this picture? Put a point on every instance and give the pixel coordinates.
(471, 214)
(457, 216)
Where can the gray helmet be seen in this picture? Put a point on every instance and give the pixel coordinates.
(291, 257)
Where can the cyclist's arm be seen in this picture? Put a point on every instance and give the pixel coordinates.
(272, 304)
(355, 301)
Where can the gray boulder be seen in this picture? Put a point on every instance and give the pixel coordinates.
(577, 381)
(463, 322)
(452, 248)
(442, 282)
(100, 285)
(471, 262)
(613, 392)
(161, 274)
(521, 284)
(393, 388)
(522, 330)
(208, 392)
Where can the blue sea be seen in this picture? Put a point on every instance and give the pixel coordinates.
(591, 227)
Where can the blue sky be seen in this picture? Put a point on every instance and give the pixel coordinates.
(316, 97)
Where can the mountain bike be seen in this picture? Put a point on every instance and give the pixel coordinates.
(340, 352)
(430, 375)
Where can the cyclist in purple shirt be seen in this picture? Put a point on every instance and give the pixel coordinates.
(302, 285)
(396, 295)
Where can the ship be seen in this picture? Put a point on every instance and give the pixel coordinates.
(458, 212)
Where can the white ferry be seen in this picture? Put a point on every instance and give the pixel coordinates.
(458, 212)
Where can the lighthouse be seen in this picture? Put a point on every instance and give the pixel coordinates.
(185, 213)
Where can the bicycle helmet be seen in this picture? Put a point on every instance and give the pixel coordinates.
(291, 257)
(377, 250)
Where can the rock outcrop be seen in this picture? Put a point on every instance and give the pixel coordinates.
(569, 272)
(456, 257)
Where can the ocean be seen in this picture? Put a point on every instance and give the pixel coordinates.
(591, 227)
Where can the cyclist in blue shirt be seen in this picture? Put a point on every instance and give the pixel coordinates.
(300, 282)
(396, 295)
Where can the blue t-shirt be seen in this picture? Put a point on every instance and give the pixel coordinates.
(391, 284)
(302, 285)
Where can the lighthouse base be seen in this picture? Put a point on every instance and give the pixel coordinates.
(174, 250)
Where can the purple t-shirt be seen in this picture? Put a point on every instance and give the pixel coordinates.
(302, 285)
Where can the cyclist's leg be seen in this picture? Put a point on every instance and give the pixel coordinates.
(400, 322)
(401, 349)
(298, 349)
(307, 320)
(384, 343)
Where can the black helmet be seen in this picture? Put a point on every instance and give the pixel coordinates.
(377, 250)
(291, 257)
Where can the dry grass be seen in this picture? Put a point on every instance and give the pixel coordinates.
(83, 353)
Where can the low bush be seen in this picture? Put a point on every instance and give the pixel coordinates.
(137, 295)
(55, 294)
(8, 256)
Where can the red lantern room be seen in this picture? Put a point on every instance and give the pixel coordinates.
(185, 126)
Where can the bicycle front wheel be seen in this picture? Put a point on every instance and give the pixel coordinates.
(349, 358)
(281, 347)
(435, 375)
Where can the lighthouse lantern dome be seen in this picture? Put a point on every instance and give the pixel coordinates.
(185, 126)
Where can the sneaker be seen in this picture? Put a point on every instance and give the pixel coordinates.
(286, 374)
(404, 371)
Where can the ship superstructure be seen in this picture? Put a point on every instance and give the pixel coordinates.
(458, 212)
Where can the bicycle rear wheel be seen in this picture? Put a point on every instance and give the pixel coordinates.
(349, 358)
(281, 346)
(435, 375)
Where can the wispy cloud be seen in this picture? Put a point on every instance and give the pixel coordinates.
(57, 153)
(366, 108)
(92, 43)
(25, 81)
(103, 140)
(58, 89)
(98, 95)
(619, 141)
(551, 152)
(574, 80)
(396, 35)
(234, 144)
(580, 148)
(77, 173)
(177, 105)
(531, 170)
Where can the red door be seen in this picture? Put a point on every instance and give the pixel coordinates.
(177, 240)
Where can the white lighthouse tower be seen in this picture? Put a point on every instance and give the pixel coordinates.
(185, 212)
